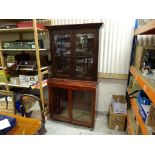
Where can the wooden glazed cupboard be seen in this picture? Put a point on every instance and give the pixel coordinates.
(72, 88)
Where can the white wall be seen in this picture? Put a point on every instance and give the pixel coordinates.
(107, 88)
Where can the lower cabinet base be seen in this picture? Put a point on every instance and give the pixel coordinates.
(72, 101)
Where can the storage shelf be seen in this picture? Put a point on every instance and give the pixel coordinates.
(146, 84)
(12, 85)
(22, 49)
(137, 114)
(148, 28)
(35, 30)
(17, 30)
(30, 69)
(35, 86)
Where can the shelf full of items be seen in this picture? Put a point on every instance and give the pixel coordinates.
(141, 84)
(29, 74)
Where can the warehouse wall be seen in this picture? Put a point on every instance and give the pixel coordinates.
(107, 88)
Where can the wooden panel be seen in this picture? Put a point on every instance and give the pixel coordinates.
(17, 30)
(72, 83)
(22, 50)
(38, 60)
(13, 85)
(148, 28)
(75, 26)
(113, 76)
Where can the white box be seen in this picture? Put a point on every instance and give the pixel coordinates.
(28, 80)
(119, 104)
(24, 80)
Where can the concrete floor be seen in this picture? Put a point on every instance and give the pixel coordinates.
(62, 128)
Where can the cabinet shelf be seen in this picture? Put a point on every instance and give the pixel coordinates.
(148, 28)
(135, 107)
(17, 30)
(146, 84)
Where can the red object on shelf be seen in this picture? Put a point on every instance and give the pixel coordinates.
(30, 24)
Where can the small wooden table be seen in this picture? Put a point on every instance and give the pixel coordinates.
(24, 126)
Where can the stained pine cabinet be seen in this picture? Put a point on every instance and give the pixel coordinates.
(74, 62)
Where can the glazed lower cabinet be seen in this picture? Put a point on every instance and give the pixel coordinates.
(72, 101)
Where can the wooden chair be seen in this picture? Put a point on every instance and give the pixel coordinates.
(28, 103)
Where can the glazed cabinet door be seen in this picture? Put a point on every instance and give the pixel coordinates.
(85, 54)
(60, 104)
(62, 53)
(83, 107)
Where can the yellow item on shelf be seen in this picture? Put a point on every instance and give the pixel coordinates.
(2, 79)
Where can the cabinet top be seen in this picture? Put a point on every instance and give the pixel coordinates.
(75, 26)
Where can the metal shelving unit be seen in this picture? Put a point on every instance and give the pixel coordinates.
(145, 84)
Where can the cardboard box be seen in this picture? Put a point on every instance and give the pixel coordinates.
(117, 121)
(150, 121)
(119, 104)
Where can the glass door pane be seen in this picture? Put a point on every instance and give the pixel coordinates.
(84, 54)
(60, 105)
(62, 50)
(82, 105)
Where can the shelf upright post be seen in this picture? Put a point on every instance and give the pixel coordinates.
(38, 61)
(3, 67)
